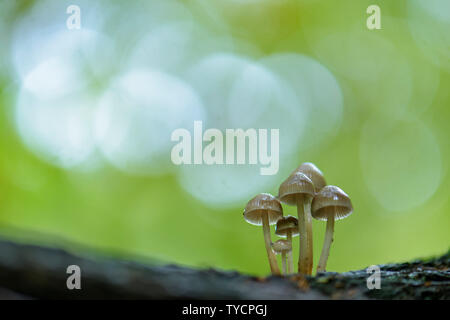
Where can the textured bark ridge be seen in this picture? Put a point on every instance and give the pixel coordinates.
(28, 271)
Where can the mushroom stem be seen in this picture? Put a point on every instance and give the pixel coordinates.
(303, 247)
(321, 267)
(283, 262)
(309, 235)
(270, 255)
(289, 257)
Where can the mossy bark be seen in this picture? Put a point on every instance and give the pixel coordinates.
(28, 271)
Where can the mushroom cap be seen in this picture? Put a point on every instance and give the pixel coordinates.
(263, 203)
(286, 224)
(296, 184)
(281, 246)
(312, 172)
(331, 200)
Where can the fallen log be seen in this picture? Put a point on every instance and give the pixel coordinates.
(40, 272)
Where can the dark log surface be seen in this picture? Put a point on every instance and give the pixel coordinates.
(28, 271)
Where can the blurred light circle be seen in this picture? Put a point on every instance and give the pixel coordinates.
(429, 22)
(242, 94)
(170, 48)
(58, 130)
(165, 48)
(53, 116)
(89, 51)
(316, 88)
(137, 115)
(53, 78)
(223, 186)
(401, 163)
(230, 186)
(213, 78)
(379, 72)
(262, 100)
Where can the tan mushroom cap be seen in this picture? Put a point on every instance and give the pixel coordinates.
(312, 172)
(296, 184)
(286, 224)
(263, 203)
(281, 246)
(331, 200)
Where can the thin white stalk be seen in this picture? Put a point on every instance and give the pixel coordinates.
(321, 267)
(309, 235)
(289, 257)
(268, 242)
(303, 246)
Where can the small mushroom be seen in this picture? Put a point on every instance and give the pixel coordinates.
(265, 210)
(282, 247)
(288, 227)
(312, 172)
(330, 204)
(298, 190)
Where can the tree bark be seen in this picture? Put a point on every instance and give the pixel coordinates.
(37, 272)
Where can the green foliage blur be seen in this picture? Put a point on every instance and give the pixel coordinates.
(390, 152)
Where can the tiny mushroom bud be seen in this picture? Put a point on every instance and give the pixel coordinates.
(265, 210)
(288, 227)
(282, 247)
(298, 190)
(330, 203)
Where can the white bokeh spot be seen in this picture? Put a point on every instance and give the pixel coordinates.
(401, 163)
(137, 115)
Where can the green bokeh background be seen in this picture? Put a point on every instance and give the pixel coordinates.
(153, 217)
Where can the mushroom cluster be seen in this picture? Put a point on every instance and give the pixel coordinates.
(306, 189)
